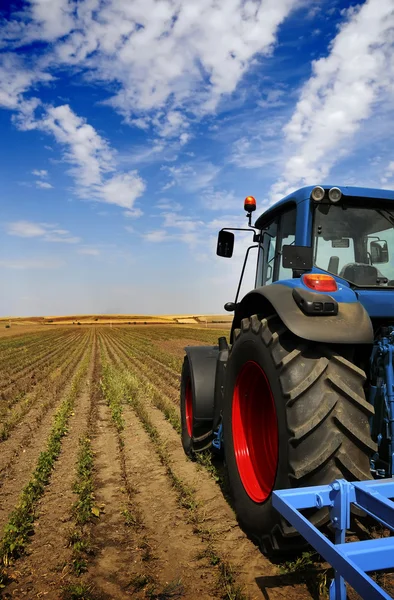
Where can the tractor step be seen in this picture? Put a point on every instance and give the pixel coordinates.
(351, 560)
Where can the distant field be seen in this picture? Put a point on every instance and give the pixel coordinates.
(199, 320)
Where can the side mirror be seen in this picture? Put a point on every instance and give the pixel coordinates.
(225, 245)
(379, 252)
(230, 306)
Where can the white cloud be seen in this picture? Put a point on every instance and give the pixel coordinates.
(184, 138)
(388, 172)
(177, 221)
(273, 98)
(44, 185)
(260, 145)
(89, 251)
(341, 93)
(135, 213)
(16, 78)
(158, 235)
(122, 189)
(40, 172)
(192, 177)
(91, 158)
(31, 263)
(221, 200)
(143, 154)
(44, 231)
(87, 152)
(164, 56)
(167, 204)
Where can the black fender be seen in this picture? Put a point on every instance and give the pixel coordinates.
(351, 324)
(202, 361)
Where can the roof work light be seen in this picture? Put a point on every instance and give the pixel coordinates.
(317, 193)
(335, 194)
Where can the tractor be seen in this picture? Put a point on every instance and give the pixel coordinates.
(302, 394)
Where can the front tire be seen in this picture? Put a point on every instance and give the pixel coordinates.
(294, 415)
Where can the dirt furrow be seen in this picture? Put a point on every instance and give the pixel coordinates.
(166, 557)
(44, 571)
(115, 550)
(20, 453)
(179, 554)
(261, 578)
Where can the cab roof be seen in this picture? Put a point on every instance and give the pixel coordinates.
(305, 194)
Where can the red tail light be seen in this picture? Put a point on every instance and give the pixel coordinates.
(320, 282)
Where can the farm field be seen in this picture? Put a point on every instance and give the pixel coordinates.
(98, 500)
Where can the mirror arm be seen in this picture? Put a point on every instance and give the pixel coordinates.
(243, 271)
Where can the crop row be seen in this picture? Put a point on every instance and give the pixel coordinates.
(12, 347)
(31, 358)
(21, 521)
(52, 378)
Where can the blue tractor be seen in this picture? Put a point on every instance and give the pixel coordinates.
(303, 393)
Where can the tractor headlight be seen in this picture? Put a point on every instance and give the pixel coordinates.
(335, 194)
(317, 193)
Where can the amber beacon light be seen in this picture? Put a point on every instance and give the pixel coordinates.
(250, 204)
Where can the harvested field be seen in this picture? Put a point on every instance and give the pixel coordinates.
(98, 500)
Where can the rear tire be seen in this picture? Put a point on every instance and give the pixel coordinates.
(303, 421)
(186, 408)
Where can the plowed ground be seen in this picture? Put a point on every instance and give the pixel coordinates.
(97, 499)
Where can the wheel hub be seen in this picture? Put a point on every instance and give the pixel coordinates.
(189, 407)
(255, 432)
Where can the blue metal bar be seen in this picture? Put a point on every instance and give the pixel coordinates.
(370, 555)
(340, 518)
(350, 560)
(375, 504)
(309, 497)
(385, 487)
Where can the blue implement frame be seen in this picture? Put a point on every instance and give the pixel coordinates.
(351, 560)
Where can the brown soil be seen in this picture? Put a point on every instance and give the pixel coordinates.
(176, 347)
(41, 573)
(20, 452)
(147, 542)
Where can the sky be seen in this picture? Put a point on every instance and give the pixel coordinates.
(131, 132)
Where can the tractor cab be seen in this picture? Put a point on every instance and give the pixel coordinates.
(347, 233)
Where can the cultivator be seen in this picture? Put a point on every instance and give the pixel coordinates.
(351, 560)
(304, 394)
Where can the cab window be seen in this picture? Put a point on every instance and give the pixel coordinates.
(287, 230)
(277, 233)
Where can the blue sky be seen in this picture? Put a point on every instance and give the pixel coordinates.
(132, 131)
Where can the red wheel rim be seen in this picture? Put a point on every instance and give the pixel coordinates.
(255, 432)
(189, 407)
